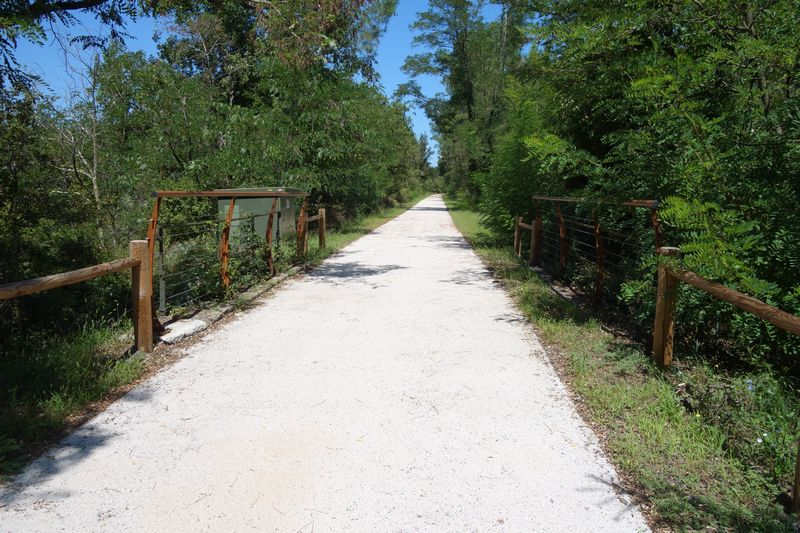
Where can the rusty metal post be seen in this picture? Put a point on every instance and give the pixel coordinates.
(538, 229)
(600, 255)
(301, 229)
(162, 281)
(564, 243)
(658, 234)
(224, 246)
(151, 230)
(268, 237)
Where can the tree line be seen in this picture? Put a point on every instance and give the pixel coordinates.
(693, 103)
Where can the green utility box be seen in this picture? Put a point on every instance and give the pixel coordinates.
(258, 210)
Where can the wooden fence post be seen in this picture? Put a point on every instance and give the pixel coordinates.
(516, 234)
(224, 246)
(142, 296)
(664, 327)
(564, 243)
(536, 252)
(322, 229)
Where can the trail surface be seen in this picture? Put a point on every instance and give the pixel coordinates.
(395, 388)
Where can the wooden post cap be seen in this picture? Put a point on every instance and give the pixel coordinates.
(668, 251)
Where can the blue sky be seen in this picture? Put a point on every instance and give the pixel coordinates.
(395, 46)
(49, 60)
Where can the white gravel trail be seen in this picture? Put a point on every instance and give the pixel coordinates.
(395, 388)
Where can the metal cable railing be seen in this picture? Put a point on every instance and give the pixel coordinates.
(199, 261)
(593, 247)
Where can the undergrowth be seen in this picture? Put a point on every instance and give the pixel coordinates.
(703, 447)
(43, 383)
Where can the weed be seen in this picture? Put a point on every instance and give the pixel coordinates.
(46, 383)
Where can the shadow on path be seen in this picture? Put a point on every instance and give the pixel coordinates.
(350, 270)
(477, 277)
(429, 209)
(73, 449)
(447, 241)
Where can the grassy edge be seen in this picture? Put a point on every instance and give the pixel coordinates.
(38, 426)
(672, 461)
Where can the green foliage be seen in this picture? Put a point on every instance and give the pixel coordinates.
(30, 20)
(473, 58)
(248, 257)
(694, 104)
(718, 242)
(755, 411)
(44, 379)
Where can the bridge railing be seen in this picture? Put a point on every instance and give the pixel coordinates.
(593, 245)
(669, 275)
(232, 232)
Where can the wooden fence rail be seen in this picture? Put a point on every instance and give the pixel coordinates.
(664, 327)
(668, 278)
(535, 228)
(141, 288)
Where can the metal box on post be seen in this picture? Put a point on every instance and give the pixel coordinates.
(258, 209)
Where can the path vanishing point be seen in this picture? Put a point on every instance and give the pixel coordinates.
(394, 388)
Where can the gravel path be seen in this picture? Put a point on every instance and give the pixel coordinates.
(395, 388)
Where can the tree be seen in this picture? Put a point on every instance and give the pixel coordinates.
(31, 19)
(473, 58)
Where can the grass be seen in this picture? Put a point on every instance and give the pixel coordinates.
(46, 382)
(679, 438)
(61, 377)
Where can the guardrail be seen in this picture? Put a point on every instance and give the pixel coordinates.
(231, 195)
(141, 288)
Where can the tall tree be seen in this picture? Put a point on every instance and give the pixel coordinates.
(472, 57)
